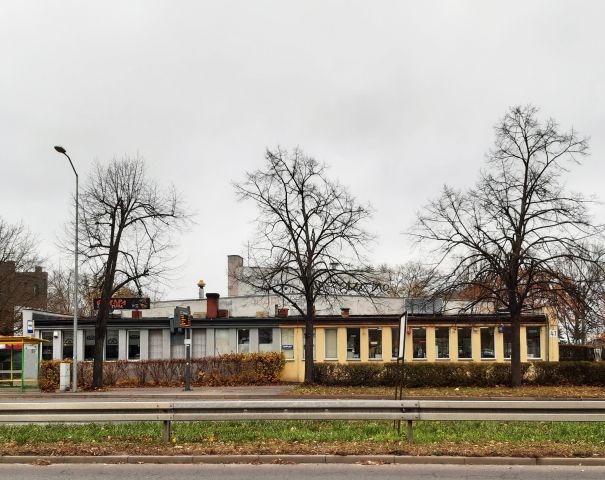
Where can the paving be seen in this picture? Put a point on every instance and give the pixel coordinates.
(133, 394)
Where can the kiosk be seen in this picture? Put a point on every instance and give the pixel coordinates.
(19, 362)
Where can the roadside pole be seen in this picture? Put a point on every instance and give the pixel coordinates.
(188, 359)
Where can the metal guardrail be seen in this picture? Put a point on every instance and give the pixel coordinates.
(223, 410)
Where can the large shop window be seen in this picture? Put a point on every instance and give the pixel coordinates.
(533, 342)
(394, 342)
(243, 340)
(353, 344)
(134, 345)
(287, 343)
(487, 343)
(375, 343)
(465, 344)
(265, 340)
(89, 344)
(331, 341)
(419, 343)
(47, 348)
(221, 341)
(68, 344)
(177, 345)
(112, 342)
(442, 342)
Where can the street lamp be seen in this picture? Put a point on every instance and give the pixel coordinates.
(74, 387)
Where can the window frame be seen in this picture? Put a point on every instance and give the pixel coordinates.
(493, 331)
(128, 332)
(449, 353)
(414, 357)
(470, 330)
(326, 330)
(380, 343)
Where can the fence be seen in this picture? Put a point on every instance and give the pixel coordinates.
(223, 410)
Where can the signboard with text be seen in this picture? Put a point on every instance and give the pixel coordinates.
(125, 303)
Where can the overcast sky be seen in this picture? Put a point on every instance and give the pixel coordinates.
(397, 97)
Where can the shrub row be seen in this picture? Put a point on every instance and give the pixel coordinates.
(458, 374)
(224, 370)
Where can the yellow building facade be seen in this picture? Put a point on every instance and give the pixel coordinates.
(373, 340)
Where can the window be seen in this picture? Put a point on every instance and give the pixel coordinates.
(353, 350)
(47, 347)
(112, 343)
(89, 344)
(287, 343)
(156, 344)
(465, 345)
(68, 344)
(265, 340)
(134, 345)
(487, 342)
(305, 343)
(533, 342)
(508, 341)
(177, 345)
(442, 342)
(221, 341)
(375, 343)
(394, 342)
(243, 340)
(419, 343)
(331, 341)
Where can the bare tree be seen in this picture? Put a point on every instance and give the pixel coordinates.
(508, 234)
(412, 279)
(310, 235)
(126, 221)
(580, 301)
(18, 253)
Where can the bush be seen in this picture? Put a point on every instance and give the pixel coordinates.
(458, 374)
(227, 370)
(239, 369)
(48, 376)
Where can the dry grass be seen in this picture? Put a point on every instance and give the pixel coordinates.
(488, 392)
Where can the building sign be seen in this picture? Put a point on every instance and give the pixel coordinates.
(287, 347)
(125, 303)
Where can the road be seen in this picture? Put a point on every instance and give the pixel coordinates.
(296, 472)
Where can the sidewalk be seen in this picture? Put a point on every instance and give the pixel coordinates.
(164, 393)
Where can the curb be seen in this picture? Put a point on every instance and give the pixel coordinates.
(294, 459)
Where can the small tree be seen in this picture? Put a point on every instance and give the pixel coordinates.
(310, 235)
(506, 237)
(18, 253)
(125, 226)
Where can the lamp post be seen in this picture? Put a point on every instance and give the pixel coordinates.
(74, 387)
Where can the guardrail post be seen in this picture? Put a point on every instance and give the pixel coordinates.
(167, 431)
(410, 431)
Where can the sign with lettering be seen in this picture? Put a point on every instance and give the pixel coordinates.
(125, 303)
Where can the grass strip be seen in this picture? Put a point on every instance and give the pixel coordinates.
(308, 432)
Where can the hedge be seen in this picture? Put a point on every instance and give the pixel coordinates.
(224, 370)
(458, 374)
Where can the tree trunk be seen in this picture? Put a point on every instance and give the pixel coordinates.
(515, 360)
(100, 332)
(309, 360)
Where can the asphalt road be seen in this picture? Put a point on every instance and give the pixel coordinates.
(295, 472)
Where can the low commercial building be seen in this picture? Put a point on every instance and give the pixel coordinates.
(344, 338)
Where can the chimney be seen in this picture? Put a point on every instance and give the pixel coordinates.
(234, 265)
(344, 312)
(200, 285)
(38, 269)
(212, 305)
